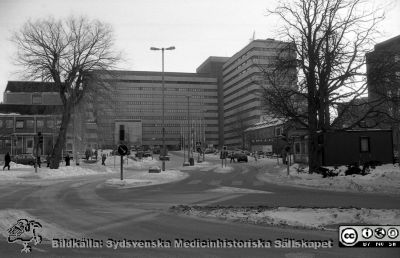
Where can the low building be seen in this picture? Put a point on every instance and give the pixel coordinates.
(267, 135)
(30, 107)
(19, 124)
(348, 147)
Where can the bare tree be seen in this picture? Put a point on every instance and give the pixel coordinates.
(327, 43)
(65, 52)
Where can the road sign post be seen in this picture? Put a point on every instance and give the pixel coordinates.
(122, 150)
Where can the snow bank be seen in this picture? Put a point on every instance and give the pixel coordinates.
(141, 164)
(299, 217)
(382, 179)
(144, 178)
(223, 170)
(227, 189)
(19, 172)
(198, 165)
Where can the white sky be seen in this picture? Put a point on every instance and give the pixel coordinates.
(197, 28)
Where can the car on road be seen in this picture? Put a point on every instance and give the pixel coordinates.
(25, 159)
(239, 156)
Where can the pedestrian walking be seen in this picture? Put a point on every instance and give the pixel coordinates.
(7, 160)
(103, 159)
(87, 154)
(48, 160)
(232, 157)
(39, 162)
(67, 159)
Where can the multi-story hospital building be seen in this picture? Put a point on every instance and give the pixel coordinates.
(215, 104)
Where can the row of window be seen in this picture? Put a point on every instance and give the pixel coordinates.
(165, 82)
(160, 117)
(149, 104)
(159, 111)
(30, 123)
(166, 89)
(271, 50)
(173, 96)
(172, 131)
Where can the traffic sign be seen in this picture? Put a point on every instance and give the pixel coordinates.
(122, 149)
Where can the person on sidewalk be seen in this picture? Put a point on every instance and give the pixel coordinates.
(67, 159)
(7, 160)
(39, 162)
(48, 160)
(103, 159)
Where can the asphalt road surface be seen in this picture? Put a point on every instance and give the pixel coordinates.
(93, 210)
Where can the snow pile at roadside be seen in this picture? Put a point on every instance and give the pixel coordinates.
(144, 178)
(69, 171)
(223, 170)
(297, 217)
(14, 165)
(141, 164)
(197, 165)
(28, 172)
(9, 218)
(382, 179)
(234, 190)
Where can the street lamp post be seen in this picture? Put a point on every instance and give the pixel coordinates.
(188, 129)
(163, 111)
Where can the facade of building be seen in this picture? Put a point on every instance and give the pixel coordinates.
(242, 99)
(190, 101)
(213, 66)
(268, 135)
(20, 124)
(383, 69)
(32, 107)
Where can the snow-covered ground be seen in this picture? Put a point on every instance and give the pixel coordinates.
(20, 172)
(382, 179)
(297, 217)
(136, 172)
(144, 178)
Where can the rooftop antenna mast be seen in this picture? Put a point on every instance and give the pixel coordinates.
(254, 36)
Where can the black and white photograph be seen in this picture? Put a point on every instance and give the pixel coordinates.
(200, 128)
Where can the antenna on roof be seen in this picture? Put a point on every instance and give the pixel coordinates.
(254, 36)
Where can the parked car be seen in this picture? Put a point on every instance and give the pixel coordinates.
(242, 151)
(260, 153)
(239, 156)
(143, 154)
(166, 158)
(25, 159)
(147, 154)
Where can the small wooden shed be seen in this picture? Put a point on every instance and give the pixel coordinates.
(356, 146)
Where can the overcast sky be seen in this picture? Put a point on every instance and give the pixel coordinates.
(197, 28)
